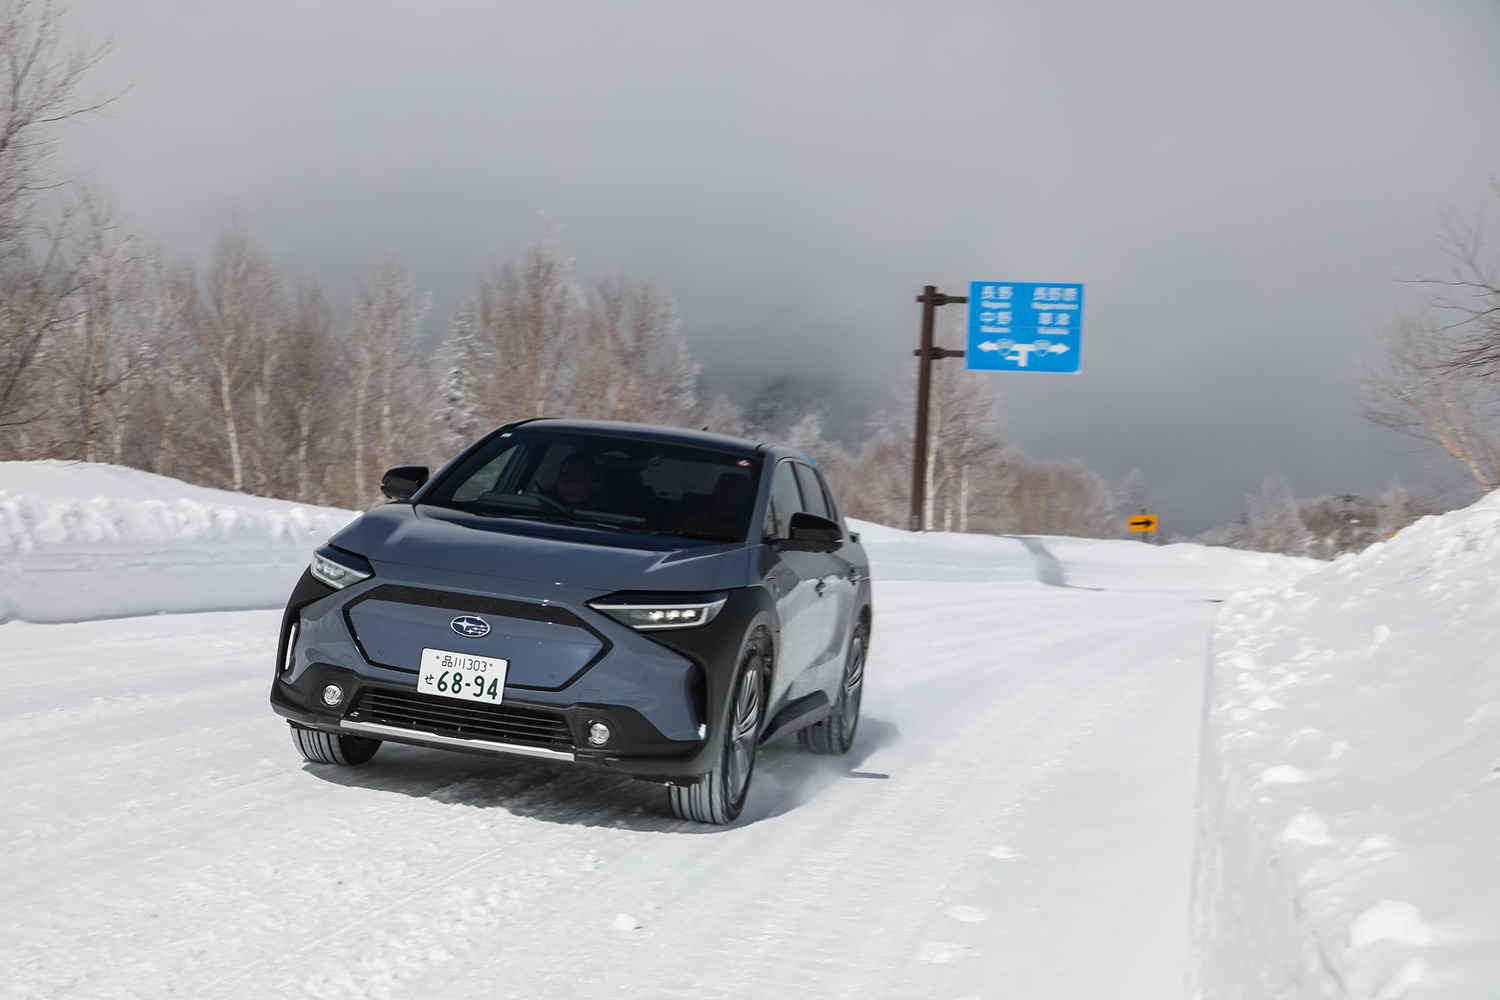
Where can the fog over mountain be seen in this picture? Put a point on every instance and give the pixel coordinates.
(1239, 187)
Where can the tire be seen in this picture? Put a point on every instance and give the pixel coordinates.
(835, 734)
(319, 747)
(718, 796)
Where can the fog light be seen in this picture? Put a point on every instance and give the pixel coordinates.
(332, 695)
(598, 734)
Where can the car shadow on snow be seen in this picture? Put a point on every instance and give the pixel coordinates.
(785, 778)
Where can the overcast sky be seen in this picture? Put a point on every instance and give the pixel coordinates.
(1239, 187)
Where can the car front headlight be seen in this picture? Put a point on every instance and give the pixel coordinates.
(650, 612)
(339, 569)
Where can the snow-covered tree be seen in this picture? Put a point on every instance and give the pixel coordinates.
(1274, 522)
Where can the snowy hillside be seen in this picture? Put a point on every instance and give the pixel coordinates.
(1015, 818)
(81, 541)
(1351, 784)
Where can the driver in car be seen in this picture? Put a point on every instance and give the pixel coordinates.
(578, 484)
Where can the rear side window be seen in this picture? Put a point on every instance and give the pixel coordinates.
(812, 491)
(786, 500)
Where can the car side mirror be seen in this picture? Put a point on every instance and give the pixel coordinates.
(404, 480)
(811, 533)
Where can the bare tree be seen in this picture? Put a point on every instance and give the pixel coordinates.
(964, 450)
(1468, 297)
(307, 361)
(631, 362)
(1057, 498)
(169, 379)
(40, 88)
(1435, 374)
(387, 317)
(39, 83)
(100, 351)
(34, 302)
(513, 338)
(964, 433)
(242, 311)
(1414, 385)
(875, 485)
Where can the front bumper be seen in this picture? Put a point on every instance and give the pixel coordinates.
(680, 677)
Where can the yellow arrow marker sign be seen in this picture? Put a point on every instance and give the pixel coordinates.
(1143, 522)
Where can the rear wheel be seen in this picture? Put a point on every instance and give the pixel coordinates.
(718, 796)
(318, 747)
(835, 734)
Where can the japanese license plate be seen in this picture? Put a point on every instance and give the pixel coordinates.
(462, 675)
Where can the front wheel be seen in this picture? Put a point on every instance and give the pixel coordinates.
(835, 734)
(318, 747)
(718, 796)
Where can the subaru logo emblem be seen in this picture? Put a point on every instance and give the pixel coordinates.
(470, 626)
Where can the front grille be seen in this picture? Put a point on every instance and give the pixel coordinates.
(429, 713)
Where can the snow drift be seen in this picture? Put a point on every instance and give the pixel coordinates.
(1350, 798)
(143, 544)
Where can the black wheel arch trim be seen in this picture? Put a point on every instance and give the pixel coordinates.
(308, 590)
(715, 648)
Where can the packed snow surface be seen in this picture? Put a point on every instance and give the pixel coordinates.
(81, 541)
(1015, 819)
(1351, 781)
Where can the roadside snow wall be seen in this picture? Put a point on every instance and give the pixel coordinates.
(1349, 816)
(143, 544)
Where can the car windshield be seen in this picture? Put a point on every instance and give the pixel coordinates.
(607, 482)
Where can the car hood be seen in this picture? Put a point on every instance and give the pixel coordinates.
(404, 535)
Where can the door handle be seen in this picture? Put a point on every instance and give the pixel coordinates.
(822, 586)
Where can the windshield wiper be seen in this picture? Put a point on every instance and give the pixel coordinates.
(559, 519)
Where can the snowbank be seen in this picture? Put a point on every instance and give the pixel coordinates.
(81, 541)
(1350, 798)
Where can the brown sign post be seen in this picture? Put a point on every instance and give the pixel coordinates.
(930, 298)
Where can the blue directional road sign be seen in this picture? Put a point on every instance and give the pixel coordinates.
(1024, 326)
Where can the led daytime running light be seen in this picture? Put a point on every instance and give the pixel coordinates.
(334, 568)
(647, 616)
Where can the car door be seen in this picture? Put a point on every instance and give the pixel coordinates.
(793, 579)
(798, 585)
(836, 587)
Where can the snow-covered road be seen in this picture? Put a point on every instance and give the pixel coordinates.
(1015, 819)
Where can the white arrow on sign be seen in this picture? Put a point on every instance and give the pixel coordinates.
(1022, 351)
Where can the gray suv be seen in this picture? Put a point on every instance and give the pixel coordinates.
(644, 600)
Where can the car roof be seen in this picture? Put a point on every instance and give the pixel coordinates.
(647, 432)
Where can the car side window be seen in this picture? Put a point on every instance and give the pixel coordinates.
(786, 500)
(812, 493)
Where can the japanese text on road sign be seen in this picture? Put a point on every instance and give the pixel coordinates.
(1023, 326)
